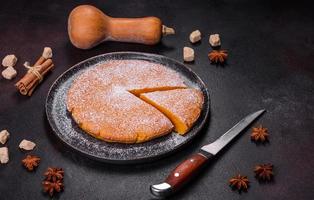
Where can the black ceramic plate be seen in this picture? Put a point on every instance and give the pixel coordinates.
(66, 129)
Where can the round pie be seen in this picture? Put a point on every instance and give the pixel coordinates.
(105, 100)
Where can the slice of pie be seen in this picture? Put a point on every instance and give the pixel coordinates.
(181, 106)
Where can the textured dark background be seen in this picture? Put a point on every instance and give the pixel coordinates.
(271, 48)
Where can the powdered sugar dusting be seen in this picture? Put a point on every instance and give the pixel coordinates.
(101, 104)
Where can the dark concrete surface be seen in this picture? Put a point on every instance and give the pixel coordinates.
(270, 65)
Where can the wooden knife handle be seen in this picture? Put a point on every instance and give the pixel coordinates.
(180, 175)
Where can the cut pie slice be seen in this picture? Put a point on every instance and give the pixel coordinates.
(181, 106)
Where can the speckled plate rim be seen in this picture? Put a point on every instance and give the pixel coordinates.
(205, 109)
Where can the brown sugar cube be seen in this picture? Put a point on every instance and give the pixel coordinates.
(9, 73)
(195, 36)
(9, 60)
(188, 54)
(4, 155)
(47, 53)
(214, 40)
(27, 145)
(4, 136)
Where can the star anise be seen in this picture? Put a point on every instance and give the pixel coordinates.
(54, 174)
(218, 56)
(52, 187)
(264, 172)
(31, 162)
(239, 182)
(259, 134)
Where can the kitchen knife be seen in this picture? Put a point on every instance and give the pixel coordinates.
(188, 168)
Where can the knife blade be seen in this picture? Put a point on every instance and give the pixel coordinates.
(188, 168)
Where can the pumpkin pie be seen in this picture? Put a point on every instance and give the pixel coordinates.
(103, 101)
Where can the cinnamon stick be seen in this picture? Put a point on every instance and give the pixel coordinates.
(40, 61)
(28, 83)
(28, 80)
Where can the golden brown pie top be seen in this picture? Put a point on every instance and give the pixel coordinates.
(103, 103)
